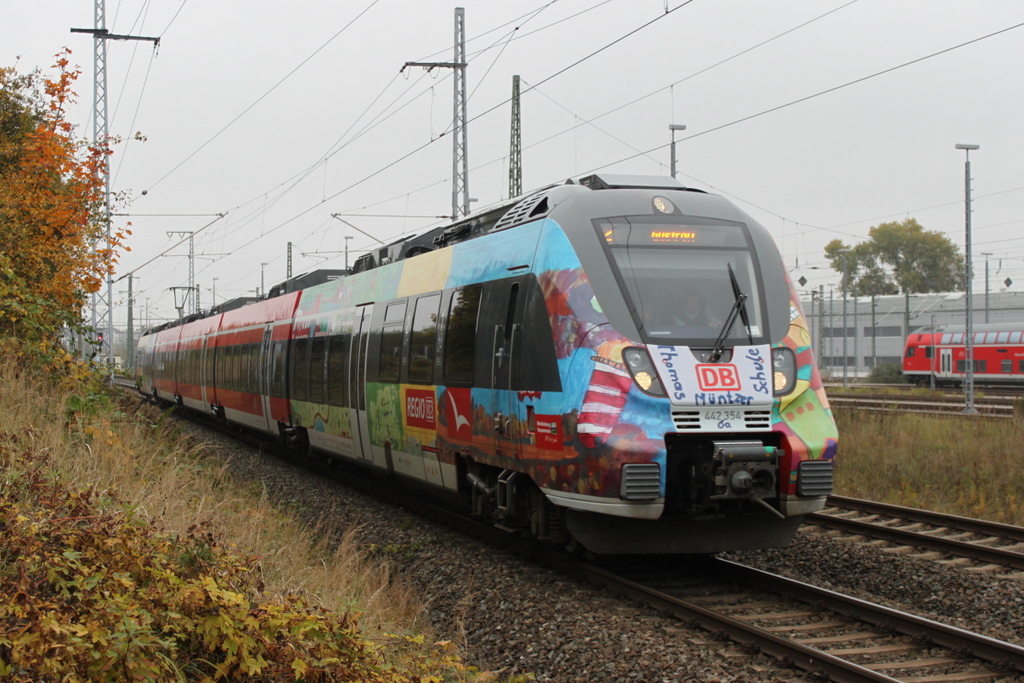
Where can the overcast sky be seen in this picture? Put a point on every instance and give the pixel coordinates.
(820, 118)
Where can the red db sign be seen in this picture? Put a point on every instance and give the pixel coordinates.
(723, 377)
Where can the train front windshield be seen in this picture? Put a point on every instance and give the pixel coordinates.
(677, 274)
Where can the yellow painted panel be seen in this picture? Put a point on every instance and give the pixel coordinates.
(425, 273)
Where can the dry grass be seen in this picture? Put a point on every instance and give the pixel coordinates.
(963, 466)
(134, 452)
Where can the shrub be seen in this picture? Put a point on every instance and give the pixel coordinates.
(886, 373)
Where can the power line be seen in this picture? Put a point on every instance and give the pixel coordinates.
(264, 95)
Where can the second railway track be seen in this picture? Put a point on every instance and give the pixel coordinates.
(1000, 545)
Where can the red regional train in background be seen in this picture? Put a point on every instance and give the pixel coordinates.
(941, 354)
(619, 363)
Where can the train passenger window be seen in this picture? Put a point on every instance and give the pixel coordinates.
(277, 370)
(300, 369)
(1007, 365)
(236, 367)
(981, 366)
(1020, 365)
(391, 343)
(423, 339)
(337, 370)
(460, 337)
(316, 370)
(254, 363)
(1003, 337)
(1015, 337)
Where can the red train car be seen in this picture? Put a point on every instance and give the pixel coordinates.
(941, 353)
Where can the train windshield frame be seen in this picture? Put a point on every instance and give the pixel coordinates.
(674, 273)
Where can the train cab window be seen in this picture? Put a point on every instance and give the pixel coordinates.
(337, 370)
(316, 370)
(277, 370)
(929, 352)
(423, 339)
(460, 339)
(391, 343)
(300, 369)
(911, 351)
(680, 274)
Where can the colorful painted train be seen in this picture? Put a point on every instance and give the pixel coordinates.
(619, 364)
(939, 355)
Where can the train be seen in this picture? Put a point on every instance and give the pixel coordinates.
(938, 355)
(618, 364)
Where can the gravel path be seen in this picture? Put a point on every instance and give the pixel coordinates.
(514, 617)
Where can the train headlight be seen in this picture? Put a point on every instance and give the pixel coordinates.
(783, 370)
(640, 367)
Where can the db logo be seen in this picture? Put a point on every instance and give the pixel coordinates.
(718, 377)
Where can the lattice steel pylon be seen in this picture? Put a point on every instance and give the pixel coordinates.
(460, 145)
(460, 153)
(515, 155)
(103, 311)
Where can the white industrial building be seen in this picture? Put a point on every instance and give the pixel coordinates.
(876, 327)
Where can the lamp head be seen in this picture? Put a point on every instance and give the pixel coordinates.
(967, 147)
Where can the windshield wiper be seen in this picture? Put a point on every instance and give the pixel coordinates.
(738, 308)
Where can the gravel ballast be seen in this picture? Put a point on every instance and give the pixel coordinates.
(515, 617)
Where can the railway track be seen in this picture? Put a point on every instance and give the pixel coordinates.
(753, 613)
(993, 407)
(988, 543)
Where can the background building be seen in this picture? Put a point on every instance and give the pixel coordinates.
(876, 327)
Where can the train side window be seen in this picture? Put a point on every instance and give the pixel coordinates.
(300, 369)
(337, 370)
(929, 352)
(460, 337)
(254, 363)
(911, 351)
(236, 367)
(423, 339)
(1020, 365)
(1007, 365)
(981, 366)
(1015, 337)
(316, 370)
(391, 343)
(277, 370)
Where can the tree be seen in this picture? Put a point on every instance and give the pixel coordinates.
(52, 216)
(900, 258)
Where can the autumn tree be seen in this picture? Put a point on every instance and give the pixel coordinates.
(54, 251)
(897, 258)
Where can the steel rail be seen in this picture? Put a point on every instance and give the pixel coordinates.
(974, 551)
(998, 652)
(787, 651)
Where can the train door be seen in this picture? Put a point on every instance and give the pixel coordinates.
(357, 382)
(945, 363)
(264, 373)
(506, 351)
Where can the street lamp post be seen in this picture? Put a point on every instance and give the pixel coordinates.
(673, 127)
(968, 277)
(846, 335)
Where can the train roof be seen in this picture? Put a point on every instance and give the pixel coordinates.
(502, 216)
(976, 328)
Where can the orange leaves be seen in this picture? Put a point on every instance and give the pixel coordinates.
(56, 249)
